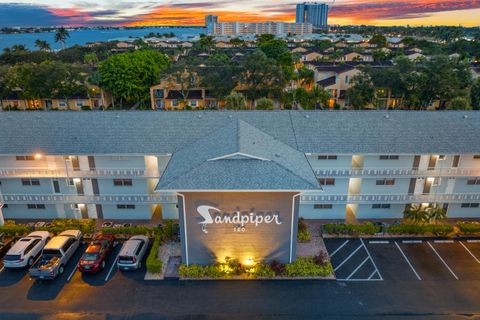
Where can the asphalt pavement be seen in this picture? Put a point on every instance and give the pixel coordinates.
(376, 280)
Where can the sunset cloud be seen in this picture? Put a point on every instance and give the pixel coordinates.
(192, 12)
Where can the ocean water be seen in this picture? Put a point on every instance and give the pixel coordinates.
(81, 37)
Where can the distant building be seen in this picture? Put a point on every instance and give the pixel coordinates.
(210, 21)
(314, 13)
(277, 28)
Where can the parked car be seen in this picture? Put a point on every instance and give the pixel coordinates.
(26, 250)
(56, 254)
(5, 244)
(132, 253)
(93, 260)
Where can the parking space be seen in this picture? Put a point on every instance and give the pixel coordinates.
(351, 260)
(404, 259)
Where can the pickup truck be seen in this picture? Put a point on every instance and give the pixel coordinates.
(55, 255)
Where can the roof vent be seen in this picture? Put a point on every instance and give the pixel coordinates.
(230, 116)
(307, 116)
(199, 116)
(465, 116)
(117, 116)
(277, 155)
(386, 116)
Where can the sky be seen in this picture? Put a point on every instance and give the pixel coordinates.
(191, 12)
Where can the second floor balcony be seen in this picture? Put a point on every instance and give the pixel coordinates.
(38, 172)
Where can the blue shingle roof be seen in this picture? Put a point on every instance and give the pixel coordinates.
(147, 132)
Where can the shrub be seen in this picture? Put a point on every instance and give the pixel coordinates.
(351, 229)
(306, 267)
(261, 270)
(321, 258)
(148, 231)
(154, 265)
(468, 227)
(59, 225)
(169, 231)
(303, 233)
(13, 230)
(197, 271)
(436, 229)
(277, 267)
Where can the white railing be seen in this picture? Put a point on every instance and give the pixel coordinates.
(395, 172)
(63, 173)
(392, 198)
(87, 199)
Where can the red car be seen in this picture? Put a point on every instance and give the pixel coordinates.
(93, 260)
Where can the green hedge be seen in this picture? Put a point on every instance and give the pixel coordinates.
(435, 229)
(351, 229)
(154, 265)
(303, 233)
(56, 226)
(306, 267)
(12, 230)
(468, 227)
(133, 230)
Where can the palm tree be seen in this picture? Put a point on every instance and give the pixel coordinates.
(436, 214)
(416, 214)
(42, 45)
(61, 36)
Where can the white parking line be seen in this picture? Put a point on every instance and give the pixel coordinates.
(378, 241)
(473, 241)
(373, 262)
(473, 256)
(360, 279)
(338, 249)
(408, 261)
(111, 268)
(446, 265)
(358, 267)
(443, 241)
(351, 254)
(411, 241)
(373, 273)
(71, 274)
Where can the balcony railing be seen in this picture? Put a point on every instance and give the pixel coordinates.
(70, 173)
(87, 199)
(397, 172)
(392, 198)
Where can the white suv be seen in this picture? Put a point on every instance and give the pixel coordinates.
(132, 253)
(26, 250)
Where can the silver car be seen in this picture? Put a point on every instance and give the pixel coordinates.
(26, 250)
(132, 253)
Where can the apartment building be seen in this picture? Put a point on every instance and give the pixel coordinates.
(134, 165)
(277, 28)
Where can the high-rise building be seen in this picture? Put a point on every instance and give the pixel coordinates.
(313, 12)
(277, 28)
(210, 21)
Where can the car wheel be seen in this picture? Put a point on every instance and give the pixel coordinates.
(30, 262)
(103, 264)
(60, 270)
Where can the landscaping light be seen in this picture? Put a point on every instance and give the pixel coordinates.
(38, 156)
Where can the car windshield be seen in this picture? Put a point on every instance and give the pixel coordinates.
(48, 253)
(12, 257)
(90, 256)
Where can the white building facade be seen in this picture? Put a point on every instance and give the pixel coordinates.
(371, 165)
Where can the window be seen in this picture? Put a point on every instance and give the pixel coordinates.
(62, 103)
(79, 103)
(470, 205)
(35, 206)
(437, 181)
(125, 206)
(476, 156)
(31, 246)
(30, 182)
(175, 103)
(158, 93)
(70, 182)
(122, 182)
(385, 182)
(24, 158)
(347, 79)
(381, 206)
(473, 181)
(193, 103)
(5, 206)
(139, 249)
(441, 157)
(322, 206)
(56, 186)
(388, 157)
(326, 181)
(327, 157)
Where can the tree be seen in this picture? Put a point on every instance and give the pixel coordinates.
(218, 75)
(475, 94)
(206, 42)
(42, 45)
(362, 91)
(306, 76)
(235, 101)
(263, 38)
(435, 214)
(459, 103)
(416, 214)
(61, 36)
(261, 76)
(379, 40)
(264, 104)
(128, 76)
(274, 48)
(237, 42)
(91, 59)
(379, 55)
(182, 76)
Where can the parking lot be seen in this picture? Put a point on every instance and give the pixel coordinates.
(50, 289)
(360, 259)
